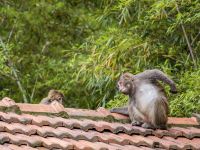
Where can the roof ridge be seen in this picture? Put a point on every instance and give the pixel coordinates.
(57, 109)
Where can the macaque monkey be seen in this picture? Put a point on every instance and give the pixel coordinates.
(148, 105)
(53, 95)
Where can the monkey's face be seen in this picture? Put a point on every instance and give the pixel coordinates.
(56, 96)
(125, 83)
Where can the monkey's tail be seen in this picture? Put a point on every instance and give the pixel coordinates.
(161, 113)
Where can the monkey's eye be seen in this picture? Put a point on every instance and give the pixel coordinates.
(128, 85)
(120, 83)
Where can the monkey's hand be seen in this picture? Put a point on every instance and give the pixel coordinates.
(173, 91)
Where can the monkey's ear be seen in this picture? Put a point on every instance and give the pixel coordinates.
(51, 92)
(117, 86)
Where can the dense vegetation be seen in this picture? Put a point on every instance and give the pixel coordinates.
(81, 46)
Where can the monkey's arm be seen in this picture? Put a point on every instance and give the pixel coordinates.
(45, 100)
(120, 110)
(156, 74)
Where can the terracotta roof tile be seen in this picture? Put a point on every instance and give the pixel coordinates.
(15, 147)
(41, 108)
(147, 148)
(3, 147)
(130, 147)
(161, 143)
(138, 140)
(36, 126)
(189, 132)
(82, 145)
(185, 143)
(182, 121)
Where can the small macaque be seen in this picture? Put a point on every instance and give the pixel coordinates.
(53, 95)
(148, 104)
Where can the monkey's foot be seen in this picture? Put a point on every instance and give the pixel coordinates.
(136, 123)
(112, 110)
(162, 127)
(148, 126)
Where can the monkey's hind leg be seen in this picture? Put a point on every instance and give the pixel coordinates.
(147, 122)
(160, 116)
(137, 118)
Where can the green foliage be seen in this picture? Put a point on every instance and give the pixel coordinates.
(81, 48)
(188, 99)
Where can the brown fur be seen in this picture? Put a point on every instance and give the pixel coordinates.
(151, 112)
(53, 95)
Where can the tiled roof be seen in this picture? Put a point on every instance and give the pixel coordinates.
(38, 126)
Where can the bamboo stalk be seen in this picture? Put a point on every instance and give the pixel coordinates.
(187, 40)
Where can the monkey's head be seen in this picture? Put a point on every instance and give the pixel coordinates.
(55, 95)
(125, 83)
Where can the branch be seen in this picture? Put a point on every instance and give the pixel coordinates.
(45, 46)
(195, 38)
(186, 38)
(11, 32)
(33, 91)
